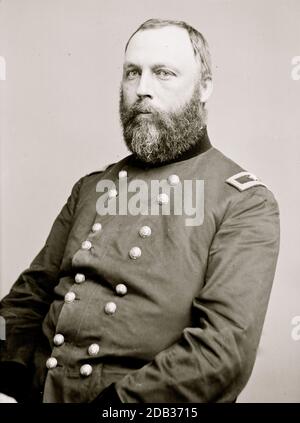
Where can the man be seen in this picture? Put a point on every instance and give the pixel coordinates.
(153, 306)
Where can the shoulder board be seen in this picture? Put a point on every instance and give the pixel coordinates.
(101, 170)
(244, 180)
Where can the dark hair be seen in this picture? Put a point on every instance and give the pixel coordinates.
(199, 43)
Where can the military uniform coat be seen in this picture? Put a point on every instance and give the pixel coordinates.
(170, 314)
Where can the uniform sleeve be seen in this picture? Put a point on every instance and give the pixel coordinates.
(213, 359)
(28, 301)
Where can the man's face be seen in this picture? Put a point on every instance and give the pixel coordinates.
(160, 66)
(160, 103)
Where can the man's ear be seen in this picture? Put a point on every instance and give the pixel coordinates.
(206, 89)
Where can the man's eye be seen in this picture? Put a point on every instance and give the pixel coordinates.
(163, 74)
(131, 74)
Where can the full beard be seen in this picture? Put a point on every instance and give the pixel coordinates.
(157, 137)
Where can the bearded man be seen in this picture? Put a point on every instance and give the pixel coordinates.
(149, 307)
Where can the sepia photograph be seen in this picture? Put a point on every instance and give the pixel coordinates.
(150, 203)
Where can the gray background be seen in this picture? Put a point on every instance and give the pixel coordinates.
(59, 120)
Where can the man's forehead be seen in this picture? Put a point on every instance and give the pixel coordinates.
(171, 44)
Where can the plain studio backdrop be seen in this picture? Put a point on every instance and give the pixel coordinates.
(59, 121)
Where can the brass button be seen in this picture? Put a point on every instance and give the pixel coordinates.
(96, 227)
(51, 363)
(122, 174)
(121, 289)
(162, 198)
(86, 370)
(70, 297)
(173, 180)
(86, 245)
(110, 308)
(145, 231)
(79, 278)
(112, 193)
(135, 253)
(93, 349)
(58, 339)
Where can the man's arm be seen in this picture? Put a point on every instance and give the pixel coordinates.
(28, 301)
(213, 360)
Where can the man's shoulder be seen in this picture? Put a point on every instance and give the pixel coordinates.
(100, 170)
(234, 176)
(104, 169)
(88, 181)
(236, 192)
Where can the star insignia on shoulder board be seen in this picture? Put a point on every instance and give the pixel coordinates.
(244, 180)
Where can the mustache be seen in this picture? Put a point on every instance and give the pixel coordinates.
(137, 108)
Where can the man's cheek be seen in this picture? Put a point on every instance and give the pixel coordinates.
(129, 94)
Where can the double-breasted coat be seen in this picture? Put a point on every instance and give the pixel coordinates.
(167, 311)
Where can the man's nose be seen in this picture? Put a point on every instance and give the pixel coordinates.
(144, 88)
